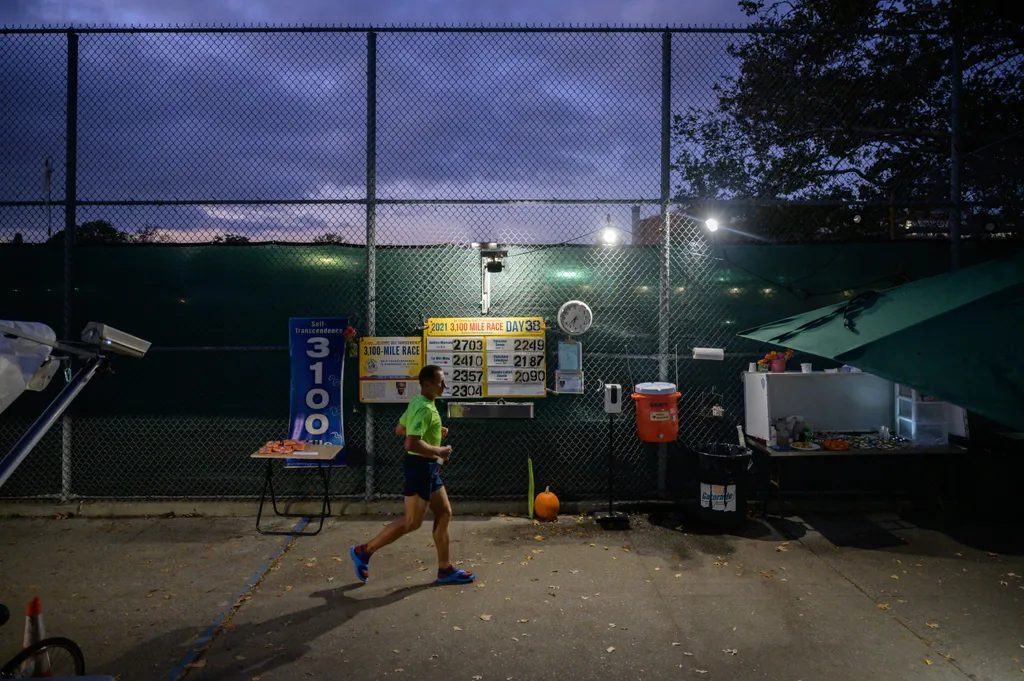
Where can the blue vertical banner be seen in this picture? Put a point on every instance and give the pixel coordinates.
(316, 346)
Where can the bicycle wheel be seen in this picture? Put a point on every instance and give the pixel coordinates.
(64, 656)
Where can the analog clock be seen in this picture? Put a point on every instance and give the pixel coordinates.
(575, 317)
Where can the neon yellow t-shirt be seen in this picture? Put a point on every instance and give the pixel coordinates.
(421, 419)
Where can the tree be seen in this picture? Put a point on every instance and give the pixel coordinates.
(329, 238)
(95, 232)
(150, 234)
(231, 240)
(829, 114)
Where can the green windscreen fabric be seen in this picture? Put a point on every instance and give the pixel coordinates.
(181, 422)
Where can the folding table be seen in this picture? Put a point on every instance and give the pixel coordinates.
(323, 455)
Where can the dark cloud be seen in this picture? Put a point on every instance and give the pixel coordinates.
(533, 116)
(282, 116)
(253, 116)
(430, 12)
(32, 114)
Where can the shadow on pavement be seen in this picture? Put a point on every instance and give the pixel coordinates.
(1002, 536)
(853, 531)
(687, 519)
(265, 645)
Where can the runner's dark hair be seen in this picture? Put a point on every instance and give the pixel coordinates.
(429, 373)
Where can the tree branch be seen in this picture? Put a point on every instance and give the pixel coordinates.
(882, 132)
(982, 56)
(855, 171)
(989, 68)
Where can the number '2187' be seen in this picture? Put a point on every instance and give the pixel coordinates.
(317, 398)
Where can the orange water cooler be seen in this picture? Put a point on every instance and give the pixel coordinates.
(657, 413)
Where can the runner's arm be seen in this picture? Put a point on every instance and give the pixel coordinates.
(415, 444)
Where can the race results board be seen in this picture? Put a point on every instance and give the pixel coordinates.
(489, 356)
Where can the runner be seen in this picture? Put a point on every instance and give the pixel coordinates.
(421, 426)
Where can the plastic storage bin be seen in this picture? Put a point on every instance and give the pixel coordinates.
(920, 418)
(657, 413)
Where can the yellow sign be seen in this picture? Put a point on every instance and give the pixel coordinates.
(389, 367)
(485, 326)
(489, 356)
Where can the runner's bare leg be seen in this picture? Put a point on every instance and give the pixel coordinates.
(441, 508)
(415, 510)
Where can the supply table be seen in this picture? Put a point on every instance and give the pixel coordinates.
(777, 457)
(322, 454)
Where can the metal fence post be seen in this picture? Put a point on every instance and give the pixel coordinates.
(664, 318)
(371, 232)
(70, 219)
(955, 197)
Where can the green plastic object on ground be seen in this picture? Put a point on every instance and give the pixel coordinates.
(529, 500)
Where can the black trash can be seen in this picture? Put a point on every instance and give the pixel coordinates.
(724, 473)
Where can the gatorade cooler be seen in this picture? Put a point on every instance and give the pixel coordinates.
(657, 416)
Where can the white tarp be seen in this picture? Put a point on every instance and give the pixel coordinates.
(25, 364)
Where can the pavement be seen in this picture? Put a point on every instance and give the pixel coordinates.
(832, 597)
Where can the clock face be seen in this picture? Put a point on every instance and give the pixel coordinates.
(575, 317)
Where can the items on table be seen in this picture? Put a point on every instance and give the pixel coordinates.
(790, 430)
(794, 432)
(283, 447)
(785, 440)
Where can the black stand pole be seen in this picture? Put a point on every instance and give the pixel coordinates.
(611, 448)
(611, 515)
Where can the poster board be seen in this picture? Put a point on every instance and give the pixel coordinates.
(488, 357)
(389, 368)
(569, 382)
(317, 348)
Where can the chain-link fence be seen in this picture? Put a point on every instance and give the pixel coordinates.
(198, 187)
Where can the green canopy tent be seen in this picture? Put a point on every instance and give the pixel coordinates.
(957, 336)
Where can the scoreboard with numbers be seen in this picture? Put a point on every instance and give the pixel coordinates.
(489, 356)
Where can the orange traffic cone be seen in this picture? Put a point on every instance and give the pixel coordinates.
(38, 664)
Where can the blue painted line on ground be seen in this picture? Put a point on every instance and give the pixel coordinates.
(207, 636)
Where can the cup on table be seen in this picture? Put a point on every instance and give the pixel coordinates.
(805, 367)
(752, 367)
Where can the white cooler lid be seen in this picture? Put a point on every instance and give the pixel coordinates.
(656, 388)
(21, 358)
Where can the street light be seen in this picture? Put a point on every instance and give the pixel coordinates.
(711, 224)
(609, 235)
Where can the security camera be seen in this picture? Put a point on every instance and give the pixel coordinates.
(495, 255)
(117, 342)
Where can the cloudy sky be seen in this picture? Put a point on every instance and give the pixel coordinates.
(229, 117)
(432, 12)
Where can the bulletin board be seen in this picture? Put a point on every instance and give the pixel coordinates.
(489, 357)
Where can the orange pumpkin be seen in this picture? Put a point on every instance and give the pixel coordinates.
(545, 506)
